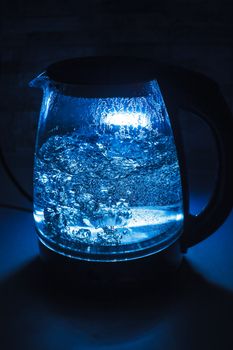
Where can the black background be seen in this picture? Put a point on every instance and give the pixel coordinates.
(195, 34)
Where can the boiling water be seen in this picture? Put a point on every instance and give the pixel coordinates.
(107, 191)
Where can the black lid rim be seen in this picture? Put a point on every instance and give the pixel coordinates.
(102, 70)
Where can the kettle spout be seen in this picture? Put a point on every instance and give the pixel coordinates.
(40, 82)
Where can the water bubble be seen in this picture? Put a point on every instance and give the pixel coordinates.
(86, 185)
(82, 235)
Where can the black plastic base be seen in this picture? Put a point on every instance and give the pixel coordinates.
(122, 273)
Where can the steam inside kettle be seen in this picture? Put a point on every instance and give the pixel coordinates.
(127, 119)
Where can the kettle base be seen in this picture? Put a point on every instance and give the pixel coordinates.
(150, 269)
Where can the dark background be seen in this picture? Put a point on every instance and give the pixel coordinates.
(198, 312)
(194, 34)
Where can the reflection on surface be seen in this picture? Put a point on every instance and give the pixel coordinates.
(64, 316)
(186, 312)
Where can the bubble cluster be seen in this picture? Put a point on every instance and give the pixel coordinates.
(87, 184)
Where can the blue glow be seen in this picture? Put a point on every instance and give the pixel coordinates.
(179, 217)
(106, 182)
(127, 119)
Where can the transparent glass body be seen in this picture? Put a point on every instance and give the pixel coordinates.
(107, 183)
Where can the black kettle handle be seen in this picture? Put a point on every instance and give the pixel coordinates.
(201, 95)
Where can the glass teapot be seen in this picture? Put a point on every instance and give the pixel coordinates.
(109, 177)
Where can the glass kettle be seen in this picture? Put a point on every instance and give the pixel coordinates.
(109, 176)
